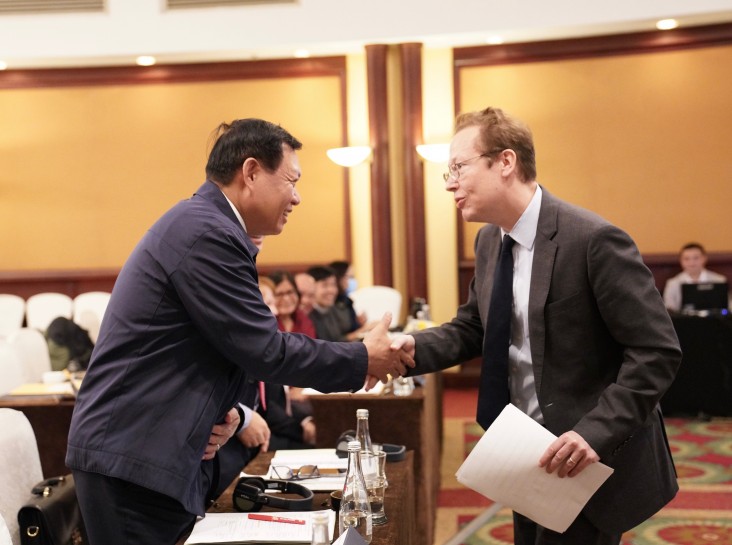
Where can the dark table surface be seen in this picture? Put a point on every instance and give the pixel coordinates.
(703, 384)
(399, 501)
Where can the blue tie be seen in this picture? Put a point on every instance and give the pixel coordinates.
(493, 394)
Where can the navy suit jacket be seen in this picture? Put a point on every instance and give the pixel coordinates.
(603, 351)
(184, 338)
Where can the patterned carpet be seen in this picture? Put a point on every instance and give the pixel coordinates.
(701, 513)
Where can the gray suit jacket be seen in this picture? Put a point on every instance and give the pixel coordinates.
(603, 349)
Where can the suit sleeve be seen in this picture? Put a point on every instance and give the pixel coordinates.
(217, 284)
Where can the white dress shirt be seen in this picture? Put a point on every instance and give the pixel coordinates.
(520, 369)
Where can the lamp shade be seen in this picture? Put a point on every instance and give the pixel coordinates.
(435, 153)
(349, 156)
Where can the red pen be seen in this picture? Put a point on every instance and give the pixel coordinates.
(270, 518)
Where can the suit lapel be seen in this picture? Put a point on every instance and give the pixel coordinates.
(541, 278)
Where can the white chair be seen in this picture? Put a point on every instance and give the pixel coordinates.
(31, 348)
(89, 310)
(21, 467)
(5, 538)
(12, 312)
(42, 308)
(11, 369)
(374, 301)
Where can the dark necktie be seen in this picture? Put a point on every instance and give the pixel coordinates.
(493, 395)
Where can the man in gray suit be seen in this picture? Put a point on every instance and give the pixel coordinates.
(589, 347)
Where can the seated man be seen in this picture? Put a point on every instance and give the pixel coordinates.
(693, 259)
(333, 320)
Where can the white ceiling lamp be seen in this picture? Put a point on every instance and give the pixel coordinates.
(667, 24)
(145, 60)
(349, 156)
(434, 153)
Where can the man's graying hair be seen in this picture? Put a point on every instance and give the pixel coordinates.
(499, 131)
(244, 138)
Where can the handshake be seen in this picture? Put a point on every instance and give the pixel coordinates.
(387, 356)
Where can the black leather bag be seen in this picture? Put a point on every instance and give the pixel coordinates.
(52, 516)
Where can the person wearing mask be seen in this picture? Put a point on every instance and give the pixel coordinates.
(185, 338)
(693, 261)
(346, 283)
(571, 328)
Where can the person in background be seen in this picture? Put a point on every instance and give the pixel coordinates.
(571, 328)
(306, 286)
(693, 261)
(346, 283)
(288, 412)
(255, 435)
(333, 322)
(185, 337)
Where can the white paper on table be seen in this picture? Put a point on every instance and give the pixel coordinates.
(323, 458)
(238, 528)
(504, 466)
(376, 390)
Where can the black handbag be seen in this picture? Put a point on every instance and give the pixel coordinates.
(52, 516)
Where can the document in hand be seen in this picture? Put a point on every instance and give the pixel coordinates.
(239, 528)
(504, 466)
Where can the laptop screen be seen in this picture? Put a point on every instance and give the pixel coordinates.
(704, 296)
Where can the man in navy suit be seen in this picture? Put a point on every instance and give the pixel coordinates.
(186, 337)
(590, 348)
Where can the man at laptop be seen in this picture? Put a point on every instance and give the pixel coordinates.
(693, 260)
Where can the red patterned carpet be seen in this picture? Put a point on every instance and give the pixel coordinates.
(701, 514)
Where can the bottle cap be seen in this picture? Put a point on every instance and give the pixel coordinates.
(362, 413)
(354, 445)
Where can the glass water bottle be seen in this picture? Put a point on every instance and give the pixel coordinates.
(362, 430)
(355, 509)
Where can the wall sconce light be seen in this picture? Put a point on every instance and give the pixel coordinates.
(349, 156)
(435, 153)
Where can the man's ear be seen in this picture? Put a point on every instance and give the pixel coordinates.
(507, 158)
(249, 170)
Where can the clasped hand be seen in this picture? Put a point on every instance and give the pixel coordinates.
(386, 356)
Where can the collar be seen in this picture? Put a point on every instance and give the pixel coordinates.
(236, 212)
(524, 232)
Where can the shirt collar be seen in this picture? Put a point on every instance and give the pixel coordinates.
(236, 212)
(524, 232)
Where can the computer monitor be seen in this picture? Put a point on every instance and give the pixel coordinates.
(704, 296)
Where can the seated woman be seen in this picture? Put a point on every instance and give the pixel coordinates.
(287, 412)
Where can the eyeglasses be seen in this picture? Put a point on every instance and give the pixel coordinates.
(454, 169)
(288, 293)
(288, 474)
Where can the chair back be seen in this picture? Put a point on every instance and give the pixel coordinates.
(21, 467)
(11, 369)
(374, 301)
(89, 309)
(42, 308)
(32, 349)
(12, 312)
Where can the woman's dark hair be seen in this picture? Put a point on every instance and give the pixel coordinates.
(281, 276)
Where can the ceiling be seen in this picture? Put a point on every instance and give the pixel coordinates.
(120, 30)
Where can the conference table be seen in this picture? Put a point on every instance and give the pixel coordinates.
(399, 501)
(414, 421)
(703, 384)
